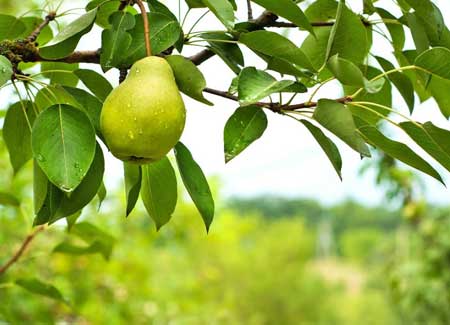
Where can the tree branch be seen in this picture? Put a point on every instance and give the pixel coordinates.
(75, 57)
(249, 10)
(275, 107)
(27, 241)
(34, 35)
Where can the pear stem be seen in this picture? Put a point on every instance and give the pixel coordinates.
(148, 46)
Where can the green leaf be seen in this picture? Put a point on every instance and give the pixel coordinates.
(164, 32)
(63, 78)
(327, 146)
(38, 287)
(230, 53)
(40, 186)
(337, 119)
(418, 32)
(116, 41)
(105, 9)
(55, 94)
(275, 45)
(346, 72)
(195, 3)
(434, 140)
(17, 126)
(72, 220)
(397, 150)
(66, 41)
(64, 135)
(51, 204)
(435, 61)
(87, 103)
(395, 30)
(8, 199)
(289, 10)
(401, 82)
(349, 31)
(101, 193)
(75, 97)
(223, 11)
(31, 23)
(6, 70)
(189, 78)
(133, 181)
(256, 84)
(10, 27)
(95, 82)
(84, 192)
(334, 29)
(159, 191)
(98, 241)
(246, 125)
(195, 182)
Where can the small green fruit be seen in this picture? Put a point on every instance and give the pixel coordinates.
(143, 118)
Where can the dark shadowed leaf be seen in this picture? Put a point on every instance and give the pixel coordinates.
(230, 53)
(196, 184)
(17, 126)
(84, 192)
(328, 146)
(397, 150)
(8, 199)
(401, 82)
(95, 82)
(434, 140)
(159, 191)
(38, 287)
(133, 181)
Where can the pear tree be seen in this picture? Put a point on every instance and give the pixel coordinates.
(61, 116)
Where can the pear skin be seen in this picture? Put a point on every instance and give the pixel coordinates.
(143, 118)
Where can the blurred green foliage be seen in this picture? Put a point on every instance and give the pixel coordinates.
(266, 261)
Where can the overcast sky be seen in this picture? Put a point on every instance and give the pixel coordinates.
(286, 160)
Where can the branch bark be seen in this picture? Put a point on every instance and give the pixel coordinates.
(27, 241)
(34, 35)
(274, 107)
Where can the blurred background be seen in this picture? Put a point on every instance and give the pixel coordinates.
(290, 243)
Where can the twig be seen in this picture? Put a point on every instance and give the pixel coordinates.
(34, 35)
(123, 74)
(275, 107)
(249, 10)
(201, 56)
(75, 57)
(123, 4)
(148, 46)
(21, 250)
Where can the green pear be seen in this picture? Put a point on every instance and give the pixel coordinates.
(143, 118)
